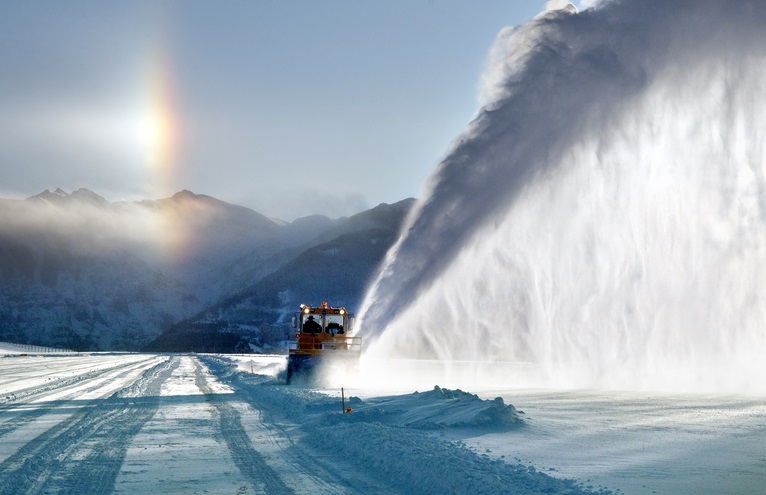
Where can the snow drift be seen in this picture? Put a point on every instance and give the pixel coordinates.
(392, 437)
(438, 408)
(604, 216)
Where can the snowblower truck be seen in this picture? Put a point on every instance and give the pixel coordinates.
(322, 339)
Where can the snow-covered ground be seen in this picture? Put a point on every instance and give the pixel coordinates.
(139, 424)
(639, 443)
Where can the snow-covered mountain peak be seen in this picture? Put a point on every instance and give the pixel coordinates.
(59, 197)
(87, 195)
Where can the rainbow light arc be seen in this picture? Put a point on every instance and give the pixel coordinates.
(161, 137)
(161, 129)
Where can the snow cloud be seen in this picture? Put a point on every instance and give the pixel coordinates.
(603, 217)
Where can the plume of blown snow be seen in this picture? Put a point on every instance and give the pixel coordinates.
(604, 217)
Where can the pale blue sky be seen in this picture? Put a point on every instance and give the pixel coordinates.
(287, 107)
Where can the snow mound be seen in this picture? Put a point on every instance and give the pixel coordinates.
(394, 436)
(421, 463)
(264, 364)
(438, 408)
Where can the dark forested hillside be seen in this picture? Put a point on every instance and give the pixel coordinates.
(78, 271)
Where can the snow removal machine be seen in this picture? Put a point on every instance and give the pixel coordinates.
(322, 341)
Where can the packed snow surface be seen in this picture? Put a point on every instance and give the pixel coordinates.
(184, 424)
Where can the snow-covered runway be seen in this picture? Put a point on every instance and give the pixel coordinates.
(65, 430)
(141, 424)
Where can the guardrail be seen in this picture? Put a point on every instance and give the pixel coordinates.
(11, 348)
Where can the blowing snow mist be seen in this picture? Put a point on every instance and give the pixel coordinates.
(604, 217)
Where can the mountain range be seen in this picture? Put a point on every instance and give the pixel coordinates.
(184, 273)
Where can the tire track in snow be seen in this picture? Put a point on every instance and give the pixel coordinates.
(311, 472)
(106, 449)
(23, 418)
(46, 378)
(250, 463)
(83, 453)
(30, 394)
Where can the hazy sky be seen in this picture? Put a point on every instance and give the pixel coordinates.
(287, 107)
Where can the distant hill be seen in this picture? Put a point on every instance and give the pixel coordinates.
(335, 271)
(81, 272)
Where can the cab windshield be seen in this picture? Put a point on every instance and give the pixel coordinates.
(311, 324)
(316, 324)
(334, 325)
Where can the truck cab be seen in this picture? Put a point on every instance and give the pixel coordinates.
(323, 336)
